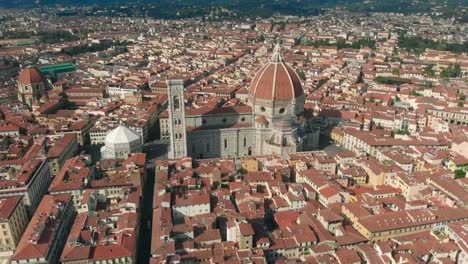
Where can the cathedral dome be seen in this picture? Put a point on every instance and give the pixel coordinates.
(31, 76)
(276, 81)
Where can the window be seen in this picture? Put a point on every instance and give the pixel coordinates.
(176, 102)
(243, 119)
(224, 120)
(225, 143)
(262, 109)
(282, 110)
(204, 121)
(245, 142)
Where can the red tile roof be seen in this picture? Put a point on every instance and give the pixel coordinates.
(8, 205)
(60, 145)
(276, 81)
(31, 76)
(37, 237)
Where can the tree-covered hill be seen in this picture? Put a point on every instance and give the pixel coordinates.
(251, 8)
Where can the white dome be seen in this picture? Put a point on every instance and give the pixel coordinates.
(122, 135)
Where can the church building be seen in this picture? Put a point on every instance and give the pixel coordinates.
(270, 124)
(121, 142)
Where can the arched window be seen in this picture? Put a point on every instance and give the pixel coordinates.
(176, 102)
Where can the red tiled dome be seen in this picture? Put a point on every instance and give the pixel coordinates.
(31, 76)
(276, 81)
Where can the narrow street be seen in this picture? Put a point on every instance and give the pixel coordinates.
(154, 150)
(146, 213)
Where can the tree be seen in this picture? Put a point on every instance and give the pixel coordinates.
(429, 70)
(301, 75)
(51, 37)
(415, 93)
(396, 71)
(391, 80)
(452, 71)
(462, 97)
(460, 104)
(460, 174)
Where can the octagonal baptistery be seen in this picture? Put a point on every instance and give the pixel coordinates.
(120, 142)
(276, 90)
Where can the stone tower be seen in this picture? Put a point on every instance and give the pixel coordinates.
(177, 130)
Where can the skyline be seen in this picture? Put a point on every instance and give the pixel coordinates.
(237, 132)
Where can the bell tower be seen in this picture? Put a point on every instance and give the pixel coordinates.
(177, 130)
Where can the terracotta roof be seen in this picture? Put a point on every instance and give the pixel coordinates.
(276, 81)
(31, 76)
(246, 229)
(60, 145)
(38, 236)
(7, 206)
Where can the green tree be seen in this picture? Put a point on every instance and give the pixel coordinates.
(51, 37)
(452, 71)
(391, 80)
(460, 174)
(301, 75)
(415, 93)
(429, 70)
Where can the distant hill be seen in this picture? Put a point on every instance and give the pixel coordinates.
(251, 8)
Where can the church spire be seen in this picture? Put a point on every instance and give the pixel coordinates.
(277, 55)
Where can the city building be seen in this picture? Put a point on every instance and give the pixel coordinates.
(30, 179)
(269, 125)
(121, 142)
(64, 148)
(13, 222)
(31, 86)
(92, 241)
(73, 178)
(46, 234)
